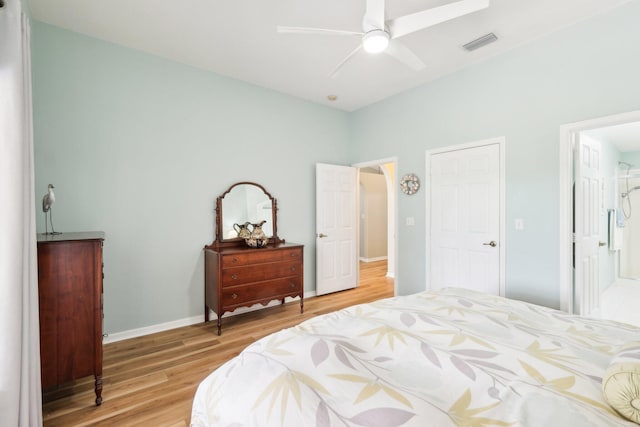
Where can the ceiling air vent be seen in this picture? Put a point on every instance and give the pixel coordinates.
(481, 41)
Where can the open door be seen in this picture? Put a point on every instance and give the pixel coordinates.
(588, 181)
(336, 228)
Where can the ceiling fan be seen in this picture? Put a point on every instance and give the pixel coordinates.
(380, 35)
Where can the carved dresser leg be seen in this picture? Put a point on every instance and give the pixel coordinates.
(98, 388)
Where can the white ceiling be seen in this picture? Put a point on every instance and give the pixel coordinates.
(238, 39)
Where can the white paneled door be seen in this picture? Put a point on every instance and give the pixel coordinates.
(464, 215)
(588, 181)
(336, 228)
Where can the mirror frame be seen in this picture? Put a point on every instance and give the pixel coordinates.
(220, 241)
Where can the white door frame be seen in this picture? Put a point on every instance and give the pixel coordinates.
(392, 201)
(567, 132)
(502, 221)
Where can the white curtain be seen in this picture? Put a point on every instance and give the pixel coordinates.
(20, 393)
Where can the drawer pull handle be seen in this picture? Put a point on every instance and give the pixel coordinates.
(293, 285)
(234, 260)
(293, 269)
(234, 296)
(234, 277)
(293, 254)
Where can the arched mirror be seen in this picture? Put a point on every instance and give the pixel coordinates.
(242, 203)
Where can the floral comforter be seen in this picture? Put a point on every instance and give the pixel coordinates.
(451, 357)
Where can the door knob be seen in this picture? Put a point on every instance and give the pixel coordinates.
(321, 235)
(492, 243)
(602, 244)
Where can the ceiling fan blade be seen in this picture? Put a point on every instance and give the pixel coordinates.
(408, 24)
(403, 54)
(374, 16)
(336, 70)
(316, 31)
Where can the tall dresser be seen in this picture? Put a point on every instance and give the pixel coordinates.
(70, 297)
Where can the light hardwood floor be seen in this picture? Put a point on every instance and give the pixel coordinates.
(151, 380)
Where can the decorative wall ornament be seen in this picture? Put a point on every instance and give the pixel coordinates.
(410, 184)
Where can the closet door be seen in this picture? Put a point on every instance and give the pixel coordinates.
(465, 219)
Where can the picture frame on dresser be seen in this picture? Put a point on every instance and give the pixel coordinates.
(237, 275)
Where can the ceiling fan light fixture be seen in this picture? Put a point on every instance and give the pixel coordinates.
(375, 41)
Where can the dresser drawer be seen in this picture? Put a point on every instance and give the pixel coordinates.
(255, 273)
(257, 257)
(274, 289)
(291, 254)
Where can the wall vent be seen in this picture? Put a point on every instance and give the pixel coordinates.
(480, 42)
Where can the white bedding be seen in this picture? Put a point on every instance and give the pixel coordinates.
(452, 357)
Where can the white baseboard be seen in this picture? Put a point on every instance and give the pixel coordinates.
(390, 275)
(139, 332)
(374, 259)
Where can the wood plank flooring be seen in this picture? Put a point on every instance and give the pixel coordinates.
(151, 380)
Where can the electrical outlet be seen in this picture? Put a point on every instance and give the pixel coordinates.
(410, 221)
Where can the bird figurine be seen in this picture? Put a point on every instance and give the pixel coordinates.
(47, 202)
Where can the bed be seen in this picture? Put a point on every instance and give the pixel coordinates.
(449, 357)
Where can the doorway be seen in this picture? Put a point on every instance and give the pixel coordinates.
(377, 214)
(616, 153)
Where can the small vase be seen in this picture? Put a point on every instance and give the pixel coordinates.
(243, 230)
(257, 238)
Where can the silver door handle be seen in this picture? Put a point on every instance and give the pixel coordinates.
(492, 243)
(321, 235)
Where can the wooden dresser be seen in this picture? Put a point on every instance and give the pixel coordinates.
(70, 297)
(240, 276)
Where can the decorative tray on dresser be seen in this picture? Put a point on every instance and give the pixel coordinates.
(237, 275)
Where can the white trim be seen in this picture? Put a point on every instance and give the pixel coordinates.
(565, 210)
(374, 259)
(194, 320)
(379, 162)
(392, 215)
(501, 141)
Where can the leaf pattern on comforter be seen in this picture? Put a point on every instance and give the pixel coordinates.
(451, 357)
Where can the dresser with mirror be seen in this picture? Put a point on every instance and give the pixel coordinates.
(238, 275)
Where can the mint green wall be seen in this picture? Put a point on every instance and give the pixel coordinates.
(139, 147)
(585, 71)
(25, 8)
(632, 157)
